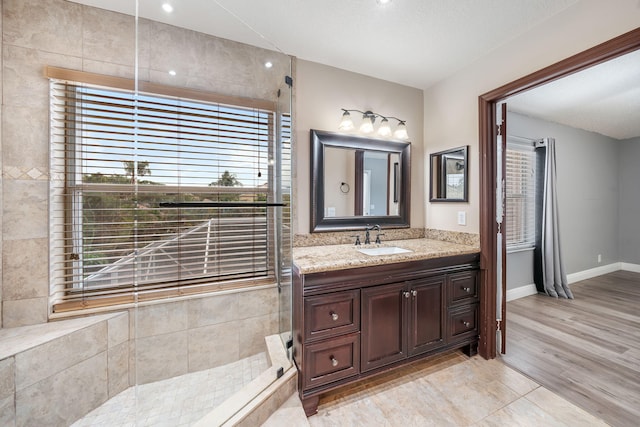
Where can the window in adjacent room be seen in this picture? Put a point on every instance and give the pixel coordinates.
(520, 195)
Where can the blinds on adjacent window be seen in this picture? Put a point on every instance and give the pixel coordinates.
(520, 195)
(156, 194)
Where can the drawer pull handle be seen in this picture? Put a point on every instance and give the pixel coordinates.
(466, 324)
(334, 316)
(406, 294)
(414, 292)
(334, 361)
(467, 290)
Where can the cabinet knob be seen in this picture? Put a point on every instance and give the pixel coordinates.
(334, 316)
(414, 292)
(406, 294)
(334, 361)
(465, 323)
(467, 290)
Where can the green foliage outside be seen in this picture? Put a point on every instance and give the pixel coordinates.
(112, 219)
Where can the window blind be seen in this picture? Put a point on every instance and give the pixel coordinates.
(158, 195)
(520, 196)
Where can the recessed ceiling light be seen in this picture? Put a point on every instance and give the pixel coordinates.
(268, 64)
(172, 72)
(383, 1)
(167, 7)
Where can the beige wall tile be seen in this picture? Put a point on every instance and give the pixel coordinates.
(7, 377)
(61, 399)
(111, 69)
(25, 213)
(213, 345)
(8, 411)
(213, 310)
(40, 362)
(253, 331)
(25, 130)
(118, 329)
(24, 312)
(118, 368)
(159, 319)
(213, 64)
(160, 357)
(25, 274)
(109, 37)
(24, 83)
(51, 25)
(257, 303)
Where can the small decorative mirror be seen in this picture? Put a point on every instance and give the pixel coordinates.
(356, 181)
(449, 178)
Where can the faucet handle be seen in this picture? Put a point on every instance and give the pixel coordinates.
(378, 237)
(357, 236)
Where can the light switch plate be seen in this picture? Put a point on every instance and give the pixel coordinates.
(462, 218)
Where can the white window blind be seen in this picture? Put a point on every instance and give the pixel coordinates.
(156, 195)
(520, 196)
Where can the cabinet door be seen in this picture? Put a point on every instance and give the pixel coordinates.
(426, 315)
(384, 325)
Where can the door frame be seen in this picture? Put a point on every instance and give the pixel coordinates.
(487, 102)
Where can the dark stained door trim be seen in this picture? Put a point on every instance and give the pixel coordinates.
(613, 48)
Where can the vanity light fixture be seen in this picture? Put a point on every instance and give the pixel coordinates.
(167, 7)
(368, 122)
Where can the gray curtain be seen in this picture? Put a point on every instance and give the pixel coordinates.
(553, 274)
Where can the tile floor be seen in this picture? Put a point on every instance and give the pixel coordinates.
(179, 401)
(449, 390)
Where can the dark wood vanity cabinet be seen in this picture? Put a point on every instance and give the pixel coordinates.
(353, 323)
(400, 320)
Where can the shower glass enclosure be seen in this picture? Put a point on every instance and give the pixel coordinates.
(208, 167)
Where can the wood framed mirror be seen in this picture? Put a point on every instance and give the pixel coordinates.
(358, 181)
(449, 177)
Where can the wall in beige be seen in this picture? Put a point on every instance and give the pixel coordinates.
(451, 106)
(37, 33)
(321, 91)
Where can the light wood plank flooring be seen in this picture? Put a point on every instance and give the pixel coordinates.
(586, 350)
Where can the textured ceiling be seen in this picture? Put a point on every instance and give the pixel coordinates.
(412, 42)
(604, 99)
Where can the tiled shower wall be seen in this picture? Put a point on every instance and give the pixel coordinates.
(89, 360)
(179, 337)
(37, 33)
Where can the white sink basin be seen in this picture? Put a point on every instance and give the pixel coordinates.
(385, 250)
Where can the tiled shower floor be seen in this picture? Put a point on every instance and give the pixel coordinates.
(179, 401)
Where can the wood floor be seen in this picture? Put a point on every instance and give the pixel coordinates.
(586, 350)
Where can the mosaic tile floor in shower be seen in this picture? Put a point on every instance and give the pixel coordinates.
(178, 401)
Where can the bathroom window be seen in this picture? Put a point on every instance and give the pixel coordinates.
(155, 196)
(520, 196)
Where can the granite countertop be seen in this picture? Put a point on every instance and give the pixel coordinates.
(315, 259)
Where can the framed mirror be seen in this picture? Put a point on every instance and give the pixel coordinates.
(448, 181)
(358, 181)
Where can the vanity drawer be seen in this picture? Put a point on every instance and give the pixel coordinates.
(331, 315)
(463, 322)
(331, 360)
(463, 287)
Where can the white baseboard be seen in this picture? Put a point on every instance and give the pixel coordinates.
(593, 272)
(521, 292)
(526, 290)
(630, 267)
